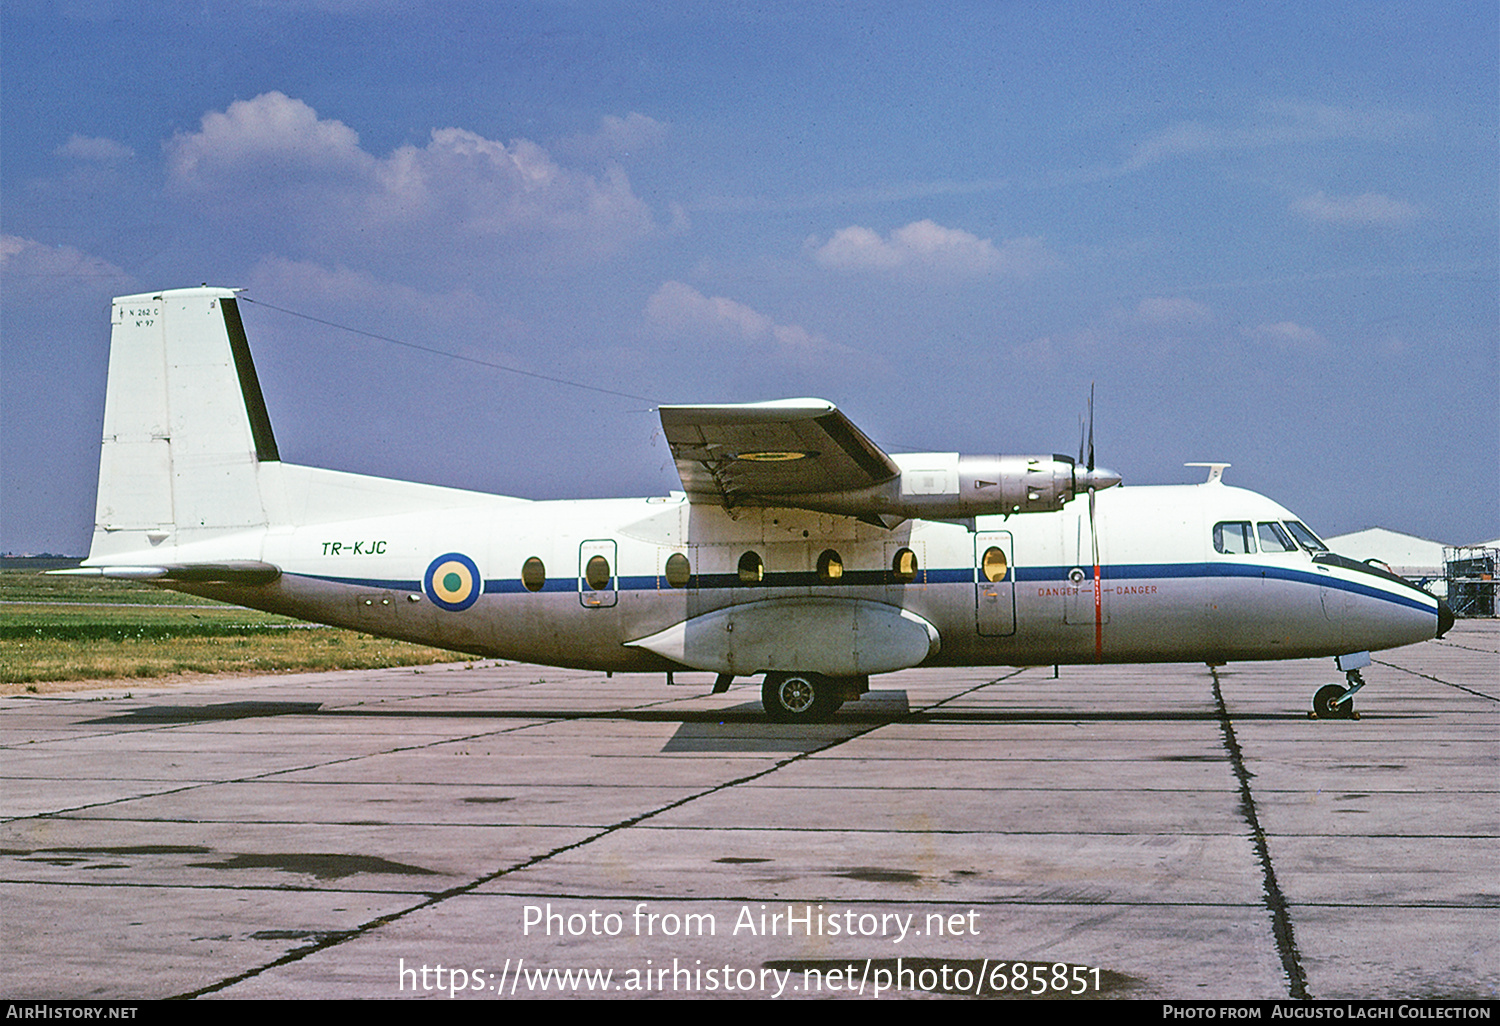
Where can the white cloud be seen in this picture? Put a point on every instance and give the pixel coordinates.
(458, 199)
(1038, 354)
(308, 283)
(617, 138)
(272, 132)
(485, 188)
(1180, 140)
(1272, 124)
(681, 311)
(928, 246)
(454, 321)
(1368, 209)
(98, 150)
(1160, 311)
(855, 247)
(1286, 335)
(28, 264)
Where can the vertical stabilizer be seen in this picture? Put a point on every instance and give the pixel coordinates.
(185, 425)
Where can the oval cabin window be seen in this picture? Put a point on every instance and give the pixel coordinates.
(533, 574)
(678, 570)
(830, 566)
(904, 566)
(596, 573)
(993, 565)
(752, 570)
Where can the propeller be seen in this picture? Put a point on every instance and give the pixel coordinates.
(1094, 478)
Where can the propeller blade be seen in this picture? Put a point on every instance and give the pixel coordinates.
(1096, 480)
(1086, 473)
(1091, 425)
(1098, 584)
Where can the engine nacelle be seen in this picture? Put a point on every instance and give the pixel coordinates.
(951, 486)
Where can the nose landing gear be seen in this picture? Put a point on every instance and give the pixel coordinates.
(1336, 701)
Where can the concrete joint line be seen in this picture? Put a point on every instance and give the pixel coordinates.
(340, 937)
(1276, 903)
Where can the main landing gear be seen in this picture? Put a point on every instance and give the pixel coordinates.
(807, 697)
(1336, 701)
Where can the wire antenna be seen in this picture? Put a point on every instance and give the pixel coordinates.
(452, 356)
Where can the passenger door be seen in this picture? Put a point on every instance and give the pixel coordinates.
(994, 584)
(598, 579)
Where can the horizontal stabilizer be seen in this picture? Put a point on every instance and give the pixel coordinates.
(246, 571)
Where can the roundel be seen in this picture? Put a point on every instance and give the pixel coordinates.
(452, 582)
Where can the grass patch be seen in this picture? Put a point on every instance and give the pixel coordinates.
(78, 628)
(34, 586)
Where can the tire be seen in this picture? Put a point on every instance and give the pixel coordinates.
(1324, 707)
(799, 697)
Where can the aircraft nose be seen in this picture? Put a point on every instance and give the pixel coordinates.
(1445, 618)
(1098, 479)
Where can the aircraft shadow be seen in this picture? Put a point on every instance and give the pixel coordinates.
(739, 728)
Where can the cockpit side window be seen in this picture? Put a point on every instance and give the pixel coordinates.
(1233, 537)
(1273, 538)
(1305, 538)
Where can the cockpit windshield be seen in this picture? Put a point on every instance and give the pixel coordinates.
(1273, 538)
(1309, 541)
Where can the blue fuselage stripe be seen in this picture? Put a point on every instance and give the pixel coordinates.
(1116, 573)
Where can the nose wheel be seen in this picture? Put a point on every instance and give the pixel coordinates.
(1336, 701)
(1326, 704)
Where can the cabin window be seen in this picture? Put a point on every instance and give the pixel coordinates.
(904, 566)
(752, 570)
(1308, 540)
(1233, 538)
(596, 573)
(533, 574)
(1273, 538)
(830, 566)
(678, 570)
(993, 565)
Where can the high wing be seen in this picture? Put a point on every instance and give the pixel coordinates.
(805, 454)
(768, 453)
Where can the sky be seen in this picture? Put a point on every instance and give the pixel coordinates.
(479, 243)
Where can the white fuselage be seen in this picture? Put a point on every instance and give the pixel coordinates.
(1166, 593)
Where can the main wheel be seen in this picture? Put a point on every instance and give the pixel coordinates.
(798, 697)
(1325, 703)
